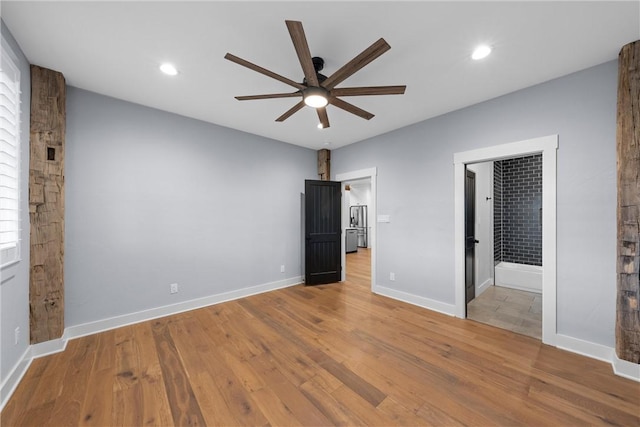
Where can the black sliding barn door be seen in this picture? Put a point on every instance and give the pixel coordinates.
(322, 232)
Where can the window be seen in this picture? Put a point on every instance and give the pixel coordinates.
(9, 157)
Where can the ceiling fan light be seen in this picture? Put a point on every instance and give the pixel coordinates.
(316, 101)
(315, 97)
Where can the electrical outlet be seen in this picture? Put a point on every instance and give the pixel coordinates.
(282, 268)
(173, 288)
(392, 277)
(16, 336)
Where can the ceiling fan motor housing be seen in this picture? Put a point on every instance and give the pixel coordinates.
(318, 65)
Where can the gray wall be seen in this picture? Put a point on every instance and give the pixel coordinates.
(14, 287)
(415, 187)
(153, 198)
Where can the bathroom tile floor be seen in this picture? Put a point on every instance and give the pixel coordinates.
(512, 309)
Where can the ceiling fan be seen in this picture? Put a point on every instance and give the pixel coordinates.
(316, 89)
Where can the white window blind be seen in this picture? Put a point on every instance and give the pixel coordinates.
(9, 157)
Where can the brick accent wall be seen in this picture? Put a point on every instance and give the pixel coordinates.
(520, 209)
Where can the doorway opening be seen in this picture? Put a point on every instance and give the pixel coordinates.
(359, 226)
(503, 246)
(547, 147)
(357, 201)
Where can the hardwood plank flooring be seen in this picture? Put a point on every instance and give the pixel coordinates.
(320, 355)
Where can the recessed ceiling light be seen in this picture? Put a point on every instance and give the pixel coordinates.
(168, 69)
(480, 52)
(320, 126)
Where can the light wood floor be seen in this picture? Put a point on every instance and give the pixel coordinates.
(325, 355)
(511, 309)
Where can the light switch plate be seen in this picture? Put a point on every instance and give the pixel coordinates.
(384, 218)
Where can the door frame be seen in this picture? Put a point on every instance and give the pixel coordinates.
(547, 146)
(372, 174)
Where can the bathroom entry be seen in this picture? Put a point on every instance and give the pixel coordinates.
(506, 212)
(476, 160)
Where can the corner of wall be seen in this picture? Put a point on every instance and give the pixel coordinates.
(10, 383)
(625, 369)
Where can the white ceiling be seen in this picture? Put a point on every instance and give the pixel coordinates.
(115, 48)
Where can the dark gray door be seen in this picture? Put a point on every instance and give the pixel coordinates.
(323, 244)
(470, 234)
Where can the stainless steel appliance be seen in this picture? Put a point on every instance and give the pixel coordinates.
(351, 240)
(358, 220)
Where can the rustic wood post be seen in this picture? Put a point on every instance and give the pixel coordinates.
(324, 164)
(46, 204)
(628, 245)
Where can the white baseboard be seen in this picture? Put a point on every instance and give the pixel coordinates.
(15, 376)
(57, 345)
(85, 329)
(49, 347)
(626, 369)
(428, 303)
(600, 352)
(585, 348)
(484, 286)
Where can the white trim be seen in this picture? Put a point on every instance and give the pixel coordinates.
(626, 369)
(13, 253)
(505, 151)
(50, 347)
(423, 302)
(548, 146)
(372, 174)
(585, 348)
(102, 325)
(483, 287)
(620, 367)
(458, 236)
(14, 377)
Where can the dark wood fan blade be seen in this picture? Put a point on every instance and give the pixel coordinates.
(264, 71)
(351, 67)
(290, 112)
(350, 108)
(302, 49)
(268, 96)
(324, 118)
(370, 90)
